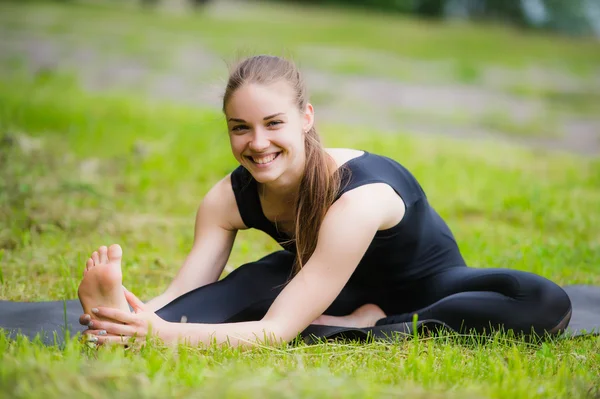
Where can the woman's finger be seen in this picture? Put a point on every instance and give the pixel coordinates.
(115, 314)
(114, 328)
(94, 332)
(134, 301)
(84, 319)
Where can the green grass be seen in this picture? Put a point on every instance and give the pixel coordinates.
(585, 102)
(136, 49)
(81, 170)
(534, 126)
(264, 27)
(494, 122)
(421, 369)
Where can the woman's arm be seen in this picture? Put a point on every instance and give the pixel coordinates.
(345, 235)
(217, 222)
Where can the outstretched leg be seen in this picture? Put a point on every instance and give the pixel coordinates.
(247, 293)
(102, 283)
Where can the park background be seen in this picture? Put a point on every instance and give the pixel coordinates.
(110, 131)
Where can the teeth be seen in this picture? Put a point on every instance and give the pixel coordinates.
(265, 159)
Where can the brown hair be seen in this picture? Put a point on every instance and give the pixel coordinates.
(320, 182)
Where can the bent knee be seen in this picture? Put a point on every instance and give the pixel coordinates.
(554, 307)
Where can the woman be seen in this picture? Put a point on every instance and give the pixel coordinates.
(362, 245)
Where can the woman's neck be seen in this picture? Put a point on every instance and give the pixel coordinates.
(282, 190)
(286, 187)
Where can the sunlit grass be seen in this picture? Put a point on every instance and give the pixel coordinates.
(257, 26)
(112, 45)
(79, 170)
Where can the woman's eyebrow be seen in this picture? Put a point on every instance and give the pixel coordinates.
(272, 116)
(264, 119)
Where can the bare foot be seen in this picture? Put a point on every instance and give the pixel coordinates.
(102, 283)
(365, 316)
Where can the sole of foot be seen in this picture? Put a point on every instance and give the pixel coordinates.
(102, 283)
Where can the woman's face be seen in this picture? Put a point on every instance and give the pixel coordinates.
(266, 130)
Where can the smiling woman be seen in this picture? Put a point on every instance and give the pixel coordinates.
(275, 148)
(362, 245)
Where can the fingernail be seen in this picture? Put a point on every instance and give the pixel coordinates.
(92, 339)
(94, 310)
(102, 332)
(90, 324)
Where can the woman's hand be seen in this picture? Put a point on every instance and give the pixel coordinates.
(123, 326)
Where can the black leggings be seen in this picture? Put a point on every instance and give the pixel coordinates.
(464, 298)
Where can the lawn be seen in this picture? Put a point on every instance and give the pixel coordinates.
(82, 167)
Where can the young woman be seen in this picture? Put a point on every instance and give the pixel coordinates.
(362, 245)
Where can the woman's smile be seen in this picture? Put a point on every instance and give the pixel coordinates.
(263, 161)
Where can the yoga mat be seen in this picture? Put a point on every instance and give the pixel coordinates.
(53, 320)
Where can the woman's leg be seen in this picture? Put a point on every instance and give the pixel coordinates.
(365, 316)
(468, 299)
(246, 294)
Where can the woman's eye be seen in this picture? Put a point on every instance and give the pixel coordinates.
(239, 128)
(273, 123)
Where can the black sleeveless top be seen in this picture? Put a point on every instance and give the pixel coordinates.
(419, 245)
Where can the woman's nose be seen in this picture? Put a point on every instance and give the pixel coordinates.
(259, 142)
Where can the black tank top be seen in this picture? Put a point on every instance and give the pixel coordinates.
(419, 245)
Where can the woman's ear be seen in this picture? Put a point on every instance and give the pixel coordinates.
(309, 118)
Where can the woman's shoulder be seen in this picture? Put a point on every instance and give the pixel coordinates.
(239, 179)
(221, 204)
(366, 168)
(364, 159)
(343, 155)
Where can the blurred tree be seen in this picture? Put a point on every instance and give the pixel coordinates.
(430, 8)
(193, 3)
(573, 16)
(198, 3)
(580, 17)
(509, 11)
(149, 3)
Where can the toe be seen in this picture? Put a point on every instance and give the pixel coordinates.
(115, 253)
(89, 264)
(96, 258)
(103, 254)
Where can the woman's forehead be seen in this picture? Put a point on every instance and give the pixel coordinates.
(255, 98)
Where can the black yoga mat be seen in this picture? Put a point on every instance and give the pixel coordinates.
(54, 320)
